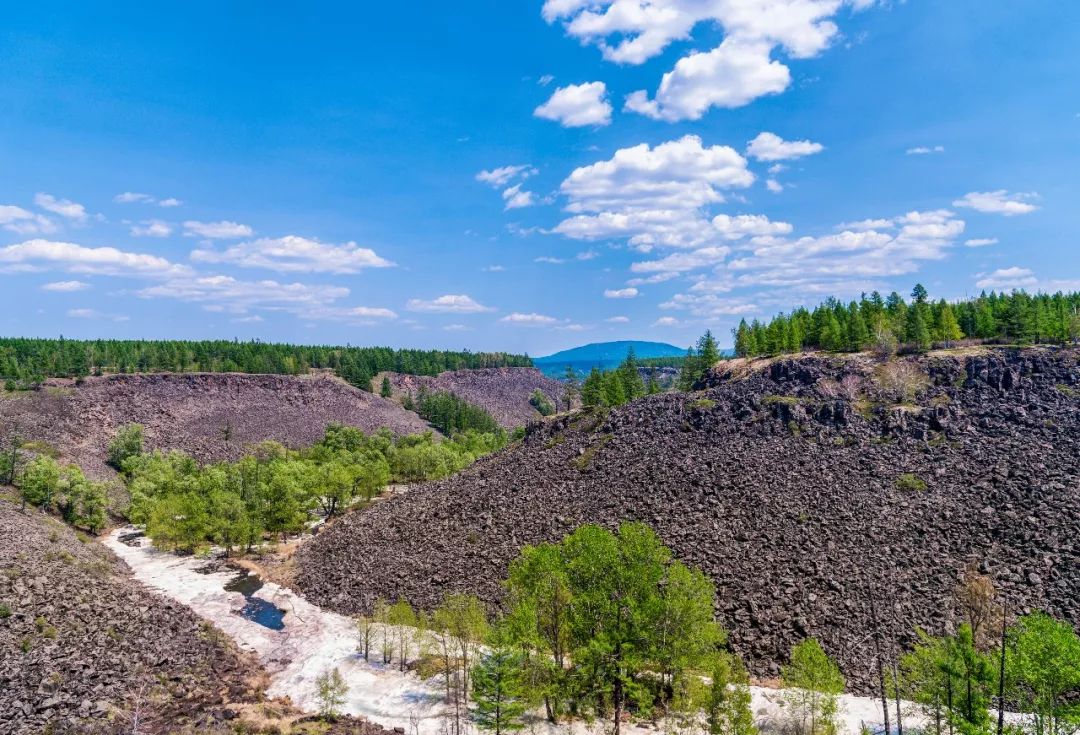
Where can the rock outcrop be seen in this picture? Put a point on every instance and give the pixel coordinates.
(213, 416)
(802, 486)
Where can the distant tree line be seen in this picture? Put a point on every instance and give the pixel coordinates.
(890, 323)
(24, 362)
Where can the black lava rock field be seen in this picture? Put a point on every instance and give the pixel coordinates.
(85, 649)
(804, 487)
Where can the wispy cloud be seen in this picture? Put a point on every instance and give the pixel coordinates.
(448, 304)
(62, 207)
(999, 202)
(294, 254)
(223, 230)
(924, 150)
(65, 286)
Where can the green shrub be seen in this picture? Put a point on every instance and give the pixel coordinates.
(127, 443)
(910, 482)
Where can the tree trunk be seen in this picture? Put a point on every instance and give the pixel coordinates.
(1001, 674)
(896, 688)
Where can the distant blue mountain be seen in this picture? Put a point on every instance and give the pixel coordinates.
(604, 355)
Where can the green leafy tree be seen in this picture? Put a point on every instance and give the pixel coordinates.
(948, 328)
(40, 482)
(402, 618)
(729, 705)
(814, 684)
(541, 403)
(1044, 673)
(127, 443)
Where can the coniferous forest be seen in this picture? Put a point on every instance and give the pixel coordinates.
(892, 323)
(27, 361)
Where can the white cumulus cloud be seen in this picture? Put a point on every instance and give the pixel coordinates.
(981, 242)
(621, 293)
(578, 105)
(734, 73)
(771, 147)
(38, 255)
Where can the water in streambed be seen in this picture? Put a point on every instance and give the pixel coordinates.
(256, 609)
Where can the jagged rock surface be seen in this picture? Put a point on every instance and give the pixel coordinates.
(502, 392)
(191, 411)
(784, 482)
(82, 646)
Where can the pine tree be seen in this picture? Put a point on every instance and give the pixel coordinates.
(948, 328)
(858, 334)
(707, 351)
(498, 690)
(744, 340)
(385, 390)
(917, 330)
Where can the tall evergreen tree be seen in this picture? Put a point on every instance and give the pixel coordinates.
(499, 693)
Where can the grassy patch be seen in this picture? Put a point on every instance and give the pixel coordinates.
(704, 404)
(941, 400)
(772, 400)
(1067, 390)
(5, 612)
(865, 408)
(40, 447)
(910, 483)
(585, 459)
(554, 441)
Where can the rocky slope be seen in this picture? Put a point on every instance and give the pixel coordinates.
(193, 412)
(502, 392)
(82, 647)
(801, 486)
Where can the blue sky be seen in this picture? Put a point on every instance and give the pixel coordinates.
(525, 175)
